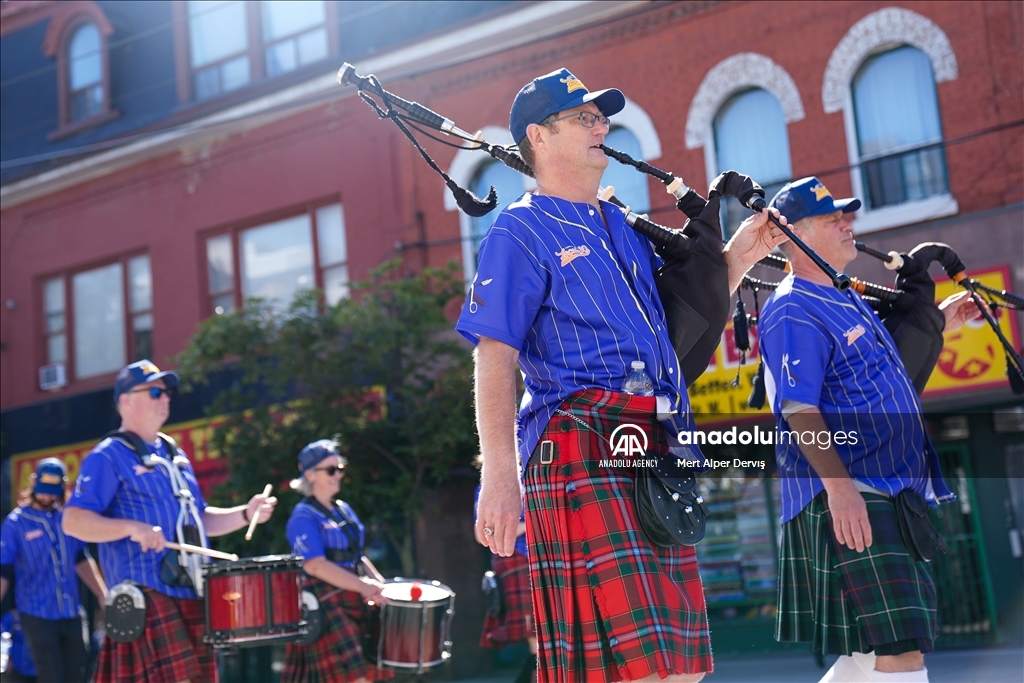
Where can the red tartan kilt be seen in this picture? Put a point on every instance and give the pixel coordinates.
(337, 657)
(609, 604)
(171, 649)
(516, 623)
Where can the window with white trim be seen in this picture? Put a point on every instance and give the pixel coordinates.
(751, 138)
(899, 131)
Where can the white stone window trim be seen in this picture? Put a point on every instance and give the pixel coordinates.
(467, 162)
(743, 71)
(879, 32)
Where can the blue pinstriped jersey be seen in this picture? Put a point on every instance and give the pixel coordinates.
(44, 559)
(577, 298)
(113, 482)
(828, 349)
(310, 532)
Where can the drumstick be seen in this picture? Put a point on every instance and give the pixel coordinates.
(256, 515)
(371, 570)
(199, 550)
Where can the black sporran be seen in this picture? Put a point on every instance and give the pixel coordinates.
(919, 534)
(668, 505)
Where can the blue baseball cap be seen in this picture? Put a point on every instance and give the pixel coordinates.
(809, 197)
(142, 372)
(312, 454)
(555, 92)
(51, 476)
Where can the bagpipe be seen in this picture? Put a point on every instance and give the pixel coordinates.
(692, 283)
(907, 310)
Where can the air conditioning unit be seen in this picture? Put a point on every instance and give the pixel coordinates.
(52, 376)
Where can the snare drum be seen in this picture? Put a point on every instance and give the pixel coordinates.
(411, 634)
(254, 601)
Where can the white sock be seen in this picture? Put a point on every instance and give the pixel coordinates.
(901, 676)
(849, 670)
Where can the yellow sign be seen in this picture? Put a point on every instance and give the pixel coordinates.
(972, 359)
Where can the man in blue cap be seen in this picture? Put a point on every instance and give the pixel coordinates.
(134, 491)
(566, 289)
(44, 565)
(847, 582)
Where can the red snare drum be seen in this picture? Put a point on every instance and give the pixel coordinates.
(253, 601)
(408, 633)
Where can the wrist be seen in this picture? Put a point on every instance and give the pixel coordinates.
(245, 514)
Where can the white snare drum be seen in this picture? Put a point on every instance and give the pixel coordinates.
(411, 631)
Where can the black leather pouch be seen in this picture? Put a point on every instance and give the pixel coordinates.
(919, 534)
(493, 599)
(668, 505)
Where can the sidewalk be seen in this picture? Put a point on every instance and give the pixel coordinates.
(997, 665)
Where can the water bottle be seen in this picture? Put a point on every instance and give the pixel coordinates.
(638, 382)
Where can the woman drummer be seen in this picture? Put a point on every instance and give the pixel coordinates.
(329, 536)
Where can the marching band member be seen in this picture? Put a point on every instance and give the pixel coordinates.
(848, 581)
(135, 492)
(43, 562)
(557, 265)
(330, 538)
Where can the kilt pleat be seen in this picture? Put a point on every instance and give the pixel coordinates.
(843, 601)
(337, 656)
(516, 623)
(609, 605)
(170, 649)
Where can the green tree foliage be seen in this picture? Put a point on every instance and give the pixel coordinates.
(382, 372)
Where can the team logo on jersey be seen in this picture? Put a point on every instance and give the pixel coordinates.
(629, 441)
(787, 372)
(572, 83)
(820, 191)
(141, 469)
(569, 254)
(33, 535)
(854, 333)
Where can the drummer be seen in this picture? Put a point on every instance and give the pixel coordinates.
(134, 491)
(329, 536)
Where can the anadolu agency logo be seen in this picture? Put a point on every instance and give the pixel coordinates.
(629, 448)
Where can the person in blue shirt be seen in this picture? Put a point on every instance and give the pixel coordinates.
(565, 289)
(851, 440)
(330, 538)
(132, 505)
(45, 564)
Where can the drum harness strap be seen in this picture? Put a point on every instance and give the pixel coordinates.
(193, 564)
(348, 527)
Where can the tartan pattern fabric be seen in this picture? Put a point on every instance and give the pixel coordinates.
(609, 605)
(516, 624)
(843, 601)
(337, 656)
(171, 649)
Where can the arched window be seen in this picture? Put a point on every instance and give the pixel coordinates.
(509, 186)
(76, 38)
(899, 134)
(751, 137)
(630, 185)
(85, 72)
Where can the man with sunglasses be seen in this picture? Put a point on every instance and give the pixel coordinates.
(566, 289)
(130, 504)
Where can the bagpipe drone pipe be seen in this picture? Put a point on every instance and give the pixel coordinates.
(908, 311)
(693, 282)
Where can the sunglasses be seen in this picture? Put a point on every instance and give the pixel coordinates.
(331, 470)
(154, 392)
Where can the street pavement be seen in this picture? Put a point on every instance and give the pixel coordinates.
(994, 665)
